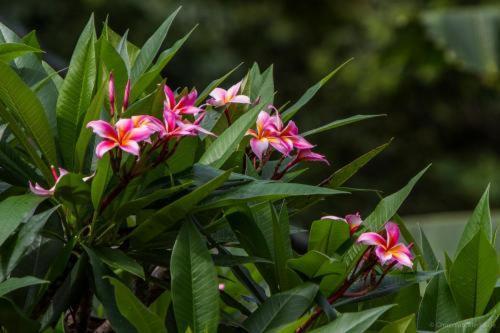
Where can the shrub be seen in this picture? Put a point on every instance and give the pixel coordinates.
(154, 209)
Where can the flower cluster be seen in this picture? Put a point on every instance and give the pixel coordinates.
(388, 250)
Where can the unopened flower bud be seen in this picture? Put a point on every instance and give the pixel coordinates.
(111, 93)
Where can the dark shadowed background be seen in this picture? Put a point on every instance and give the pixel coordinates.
(440, 107)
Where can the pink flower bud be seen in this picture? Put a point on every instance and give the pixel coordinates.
(111, 93)
(126, 96)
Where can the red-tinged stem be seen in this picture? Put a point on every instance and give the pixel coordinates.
(277, 167)
(228, 116)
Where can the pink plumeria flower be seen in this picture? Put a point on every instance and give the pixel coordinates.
(124, 136)
(38, 190)
(353, 220)
(289, 137)
(172, 126)
(388, 250)
(264, 135)
(185, 105)
(221, 97)
(308, 155)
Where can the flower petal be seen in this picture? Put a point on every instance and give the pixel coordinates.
(170, 97)
(123, 126)
(231, 92)
(262, 120)
(333, 217)
(242, 99)
(218, 94)
(131, 147)
(392, 230)
(383, 255)
(259, 146)
(103, 147)
(103, 129)
(371, 238)
(139, 134)
(402, 258)
(38, 190)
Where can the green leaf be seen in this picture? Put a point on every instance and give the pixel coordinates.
(315, 264)
(473, 275)
(85, 136)
(118, 260)
(25, 105)
(403, 325)
(75, 94)
(386, 209)
(100, 180)
(16, 210)
(227, 260)
(342, 122)
(17, 283)
(479, 220)
(482, 324)
(266, 190)
(195, 294)
(144, 320)
(24, 239)
(14, 320)
(354, 322)
(437, 307)
(281, 308)
(150, 48)
(163, 59)
(115, 64)
(10, 51)
(177, 210)
(326, 236)
(105, 293)
(292, 110)
(343, 174)
(161, 304)
(222, 148)
(427, 252)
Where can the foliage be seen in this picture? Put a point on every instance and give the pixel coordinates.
(176, 216)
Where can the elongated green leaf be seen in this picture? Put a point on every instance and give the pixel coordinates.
(292, 110)
(326, 236)
(315, 264)
(232, 260)
(403, 325)
(220, 150)
(479, 220)
(386, 209)
(76, 92)
(343, 174)
(215, 83)
(195, 294)
(14, 320)
(342, 122)
(473, 275)
(163, 59)
(16, 210)
(100, 180)
(281, 309)
(106, 294)
(437, 308)
(10, 51)
(19, 98)
(19, 244)
(150, 48)
(118, 260)
(174, 212)
(427, 252)
(85, 136)
(17, 283)
(144, 320)
(266, 190)
(354, 322)
(161, 304)
(482, 324)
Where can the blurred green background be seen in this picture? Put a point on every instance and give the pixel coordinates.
(441, 97)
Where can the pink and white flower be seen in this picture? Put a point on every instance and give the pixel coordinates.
(39, 190)
(289, 137)
(353, 220)
(221, 97)
(123, 135)
(185, 105)
(388, 249)
(173, 126)
(264, 135)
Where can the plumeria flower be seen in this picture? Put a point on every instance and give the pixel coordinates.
(308, 155)
(221, 97)
(264, 135)
(38, 190)
(124, 136)
(388, 250)
(353, 220)
(289, 137)
(185, 105)
(172, 126)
